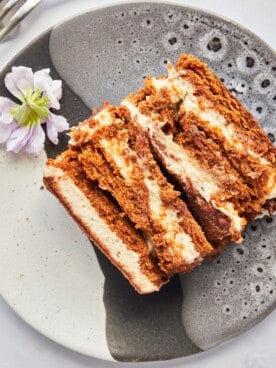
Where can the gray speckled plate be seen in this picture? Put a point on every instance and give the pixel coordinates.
(51, 275)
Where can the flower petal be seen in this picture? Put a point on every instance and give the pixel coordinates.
(52, 132)
(36, 141)
(57, 88)
(19, 138)
(42, 79)
(55, 94)
(6, 105)
(59, 121)
(55, 124)
(19, 81)
(50, 87)
(6, 130)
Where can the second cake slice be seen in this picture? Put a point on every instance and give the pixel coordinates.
(116, 152)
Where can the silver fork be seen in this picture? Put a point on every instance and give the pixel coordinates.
(19, 15)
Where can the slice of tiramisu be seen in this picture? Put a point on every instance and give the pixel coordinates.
(100, 217)
(212, 146)
(115, 152)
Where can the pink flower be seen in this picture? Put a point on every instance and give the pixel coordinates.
(20, 124)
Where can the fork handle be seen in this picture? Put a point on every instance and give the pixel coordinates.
(8, 6)
(19, 16)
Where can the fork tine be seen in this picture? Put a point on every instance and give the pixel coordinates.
(21, 13)
(7, 7)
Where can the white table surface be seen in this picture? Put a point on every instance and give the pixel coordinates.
(23, 347)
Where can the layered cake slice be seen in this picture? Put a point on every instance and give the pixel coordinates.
(115, 152)
(212, 146)
(100, 217)
(210, 184)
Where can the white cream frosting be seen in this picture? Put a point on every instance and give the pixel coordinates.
(103, 118)
(115, 148)
(169, 221)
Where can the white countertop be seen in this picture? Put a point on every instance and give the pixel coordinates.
(21, 346)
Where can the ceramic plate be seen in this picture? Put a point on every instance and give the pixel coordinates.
(51, 274)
